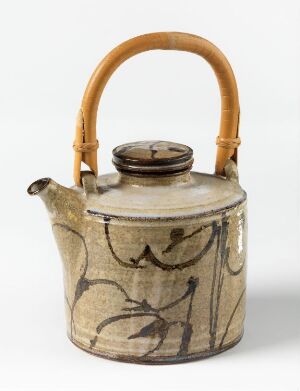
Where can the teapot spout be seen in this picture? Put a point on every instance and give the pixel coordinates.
(36, 187)
(59, 200)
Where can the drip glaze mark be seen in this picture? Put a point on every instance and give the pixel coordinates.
(221, 261)
(188, 328)
(212, 328)
(230, 270)
(222, 254)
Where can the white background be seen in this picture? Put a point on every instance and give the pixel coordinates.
(48, 51)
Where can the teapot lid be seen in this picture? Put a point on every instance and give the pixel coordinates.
(153, 158)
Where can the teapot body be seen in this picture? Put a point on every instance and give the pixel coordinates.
(154, 256)
(145, 288)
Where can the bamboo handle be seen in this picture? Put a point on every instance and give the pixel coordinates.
(86, 144)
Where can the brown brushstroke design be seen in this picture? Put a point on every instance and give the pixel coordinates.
(160, 326)
(221, 261)
(235, 272)
(149, 256)
(222, 254)
(231, 318)
(177, 237)
(83, 283)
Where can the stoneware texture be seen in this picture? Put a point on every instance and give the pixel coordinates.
(154, 267)
(154, 255)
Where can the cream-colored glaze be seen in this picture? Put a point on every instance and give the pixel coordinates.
(147, 284)
(154, 267)
(191, 194)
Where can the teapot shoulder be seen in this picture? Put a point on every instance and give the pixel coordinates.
(201, 194)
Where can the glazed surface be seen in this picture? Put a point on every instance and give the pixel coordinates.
(151, 287)
(170, 197)
(154, 291)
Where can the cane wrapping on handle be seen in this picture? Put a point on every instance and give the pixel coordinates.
(86, 144)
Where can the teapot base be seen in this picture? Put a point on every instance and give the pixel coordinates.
(157, 360)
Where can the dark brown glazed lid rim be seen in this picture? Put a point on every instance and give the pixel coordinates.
(153, 158)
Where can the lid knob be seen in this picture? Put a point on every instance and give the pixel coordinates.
(153, 158)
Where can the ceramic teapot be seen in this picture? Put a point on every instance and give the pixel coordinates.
(153, 254)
